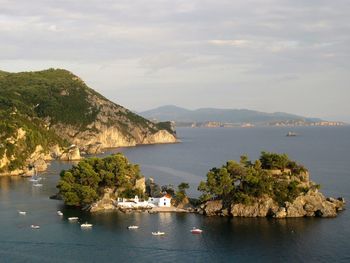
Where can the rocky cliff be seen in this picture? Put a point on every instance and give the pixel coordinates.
(53, 109)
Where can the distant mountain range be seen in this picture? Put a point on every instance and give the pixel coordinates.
(235, 116)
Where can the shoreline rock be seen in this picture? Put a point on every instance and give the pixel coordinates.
(311, 204)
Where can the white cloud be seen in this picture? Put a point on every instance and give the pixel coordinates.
(231, 42)
(239, 47)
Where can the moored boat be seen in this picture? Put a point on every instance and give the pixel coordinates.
(59, 213)
(34, 226)
(86, 225)
(196, 230)
(158, 233)
(133, 227)
(73, 218)
(291, 134)
(22, 212)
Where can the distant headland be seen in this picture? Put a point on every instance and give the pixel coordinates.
(214, 118)
(54, 114)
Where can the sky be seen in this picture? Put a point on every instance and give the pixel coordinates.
(267, 55)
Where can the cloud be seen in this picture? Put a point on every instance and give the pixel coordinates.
(231, 42)
(234, 46)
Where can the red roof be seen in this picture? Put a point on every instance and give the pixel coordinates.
(167, 196)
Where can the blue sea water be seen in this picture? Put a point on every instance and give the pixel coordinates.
(324, 150)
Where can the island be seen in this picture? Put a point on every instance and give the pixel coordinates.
(53, 114)
(272, 186)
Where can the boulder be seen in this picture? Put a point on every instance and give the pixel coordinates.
(71, 154)
(212, 208)
(94, 148)
(40, 165)
(106, 203)
(281, 213)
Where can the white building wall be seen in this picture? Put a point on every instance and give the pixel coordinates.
(164, 202)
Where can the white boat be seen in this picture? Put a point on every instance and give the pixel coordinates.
(59, 213)
(35, 226)
(158, 233)
(196, 231)
(22, 212)
(86, 225)
(37, 185)
(73, 218)
(133, 227)
(35, 178)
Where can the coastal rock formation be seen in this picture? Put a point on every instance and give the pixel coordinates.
(313, 203)
(212, 208)
(273, 186)
(53, 109)
(261, 208)
(71, 154)
(106, 203)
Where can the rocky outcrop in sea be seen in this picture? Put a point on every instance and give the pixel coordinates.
(312, 203)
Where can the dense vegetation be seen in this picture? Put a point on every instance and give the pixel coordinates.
(85, 182)
(35, 134)
(245, 181)
(37, 101)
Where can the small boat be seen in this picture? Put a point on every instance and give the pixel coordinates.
(291, 134)
(73, 218)
(59, 213)
(35, 178)
(37, 185)
(133, 227)
(196, 231)
(158, 233)
(35, 226)
(86, 225)
(22, 212)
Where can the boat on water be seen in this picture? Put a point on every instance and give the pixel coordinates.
(59, 213)
(73, 218)
(196, 231)
(22, 212)
(291, 134)
(158, 233)
(86, 225)
(37, 184)
(34, 179)
(34, 226)
(133, 227)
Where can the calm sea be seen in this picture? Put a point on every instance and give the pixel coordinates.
(325, 151)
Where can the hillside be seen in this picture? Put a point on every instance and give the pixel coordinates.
(54, 107)
(178, 114)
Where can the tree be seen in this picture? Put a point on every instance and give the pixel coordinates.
(81, 185)
(245, 181)
(181, 192)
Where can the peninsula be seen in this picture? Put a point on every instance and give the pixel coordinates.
(54, 114)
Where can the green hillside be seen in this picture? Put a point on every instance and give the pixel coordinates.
(44, 103)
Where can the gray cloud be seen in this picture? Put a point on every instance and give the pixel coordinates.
(144, 53)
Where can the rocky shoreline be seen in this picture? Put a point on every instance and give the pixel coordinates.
(311, 204)
(41, 159)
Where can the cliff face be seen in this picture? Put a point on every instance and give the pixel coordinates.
(55, 107)
(113, 126)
